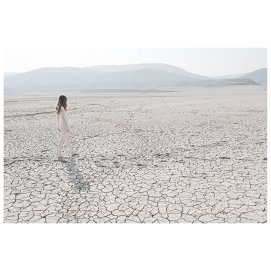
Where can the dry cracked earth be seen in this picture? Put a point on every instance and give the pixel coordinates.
(195, 156)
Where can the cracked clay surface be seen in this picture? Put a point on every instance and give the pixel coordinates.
(189, 157)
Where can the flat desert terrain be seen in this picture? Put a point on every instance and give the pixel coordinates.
(194, 155)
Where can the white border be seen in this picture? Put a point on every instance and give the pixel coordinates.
(158, 24)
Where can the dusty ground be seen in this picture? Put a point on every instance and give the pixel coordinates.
(188, 156)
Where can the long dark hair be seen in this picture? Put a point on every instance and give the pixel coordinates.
(62, 101)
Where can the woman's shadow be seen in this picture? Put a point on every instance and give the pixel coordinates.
(76, 178)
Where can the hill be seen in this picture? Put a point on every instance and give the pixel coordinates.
(258, 76)
(156, 66)
(80, 77)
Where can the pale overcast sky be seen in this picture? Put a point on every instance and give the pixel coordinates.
(207, 61)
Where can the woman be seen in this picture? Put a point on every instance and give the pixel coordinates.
(61, 110)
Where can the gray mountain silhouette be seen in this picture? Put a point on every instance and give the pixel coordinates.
(110, 77)
(155, 66)
(79, 76)
(258, 76)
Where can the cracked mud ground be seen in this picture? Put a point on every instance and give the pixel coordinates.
(187, 157)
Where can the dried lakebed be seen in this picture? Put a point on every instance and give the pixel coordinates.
(181, 157)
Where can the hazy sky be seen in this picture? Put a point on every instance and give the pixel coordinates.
(207, 61)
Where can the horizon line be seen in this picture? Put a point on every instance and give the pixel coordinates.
(138, 64)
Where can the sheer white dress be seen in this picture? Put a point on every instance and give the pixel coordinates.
(63, 121)
(63, 127)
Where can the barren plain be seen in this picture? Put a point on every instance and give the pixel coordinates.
(194, 155)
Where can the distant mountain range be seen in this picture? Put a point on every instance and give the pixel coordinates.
(118, 76)
(258, 76)
(156, 66)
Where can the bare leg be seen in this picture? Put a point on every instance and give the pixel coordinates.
(61, 142)
(69, 143)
